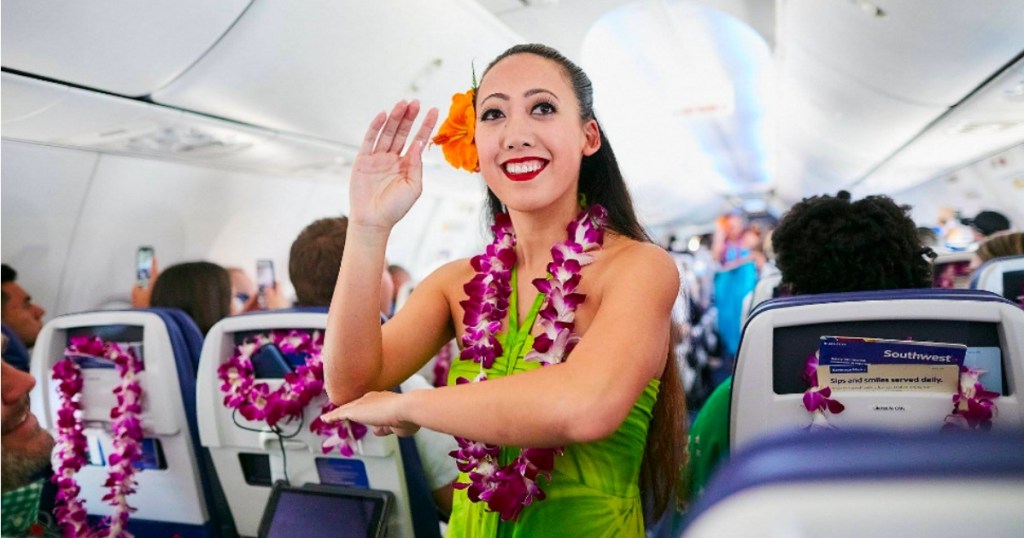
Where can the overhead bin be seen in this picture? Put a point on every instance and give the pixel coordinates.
(929, 52)
(324, 68)
(119, 46)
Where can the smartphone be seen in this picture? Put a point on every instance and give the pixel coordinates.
(143, 266)
(269, 362)
(264, 278)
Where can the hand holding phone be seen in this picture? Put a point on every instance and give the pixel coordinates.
(143, 266)
(145, 275)
(265, 278)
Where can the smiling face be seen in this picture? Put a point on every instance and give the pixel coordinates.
(529, 133)
(26, 446)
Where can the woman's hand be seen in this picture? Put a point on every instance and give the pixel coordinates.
(385, 183)
(380, 410)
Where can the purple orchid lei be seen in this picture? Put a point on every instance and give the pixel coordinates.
(972, 404)
(507, 489)
(442, 364)
(255, 401)
(818, 400)
(71, 446)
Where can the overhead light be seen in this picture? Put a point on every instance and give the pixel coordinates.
(869, 9)
(183, 141)
(982, 127)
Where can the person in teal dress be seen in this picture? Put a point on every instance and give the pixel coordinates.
(566, 403)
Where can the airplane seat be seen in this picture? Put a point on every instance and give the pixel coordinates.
(867, 483)
(173, 460)
(769, 388)
(250, 458)
(952, 270)
(1002, 276)
(764, 290)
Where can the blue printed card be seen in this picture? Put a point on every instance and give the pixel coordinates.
(852, 363)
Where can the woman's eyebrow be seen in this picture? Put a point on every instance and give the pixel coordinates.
(501, 96)
(535, 91)
(527, 93)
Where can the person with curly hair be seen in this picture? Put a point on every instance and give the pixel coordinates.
(831, 244)
(824, 244)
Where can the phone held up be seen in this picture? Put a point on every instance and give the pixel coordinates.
(264, 279)
(143, 266)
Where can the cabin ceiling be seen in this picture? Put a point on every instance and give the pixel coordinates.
(795, 97)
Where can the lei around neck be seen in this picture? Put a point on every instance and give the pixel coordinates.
(507, 489)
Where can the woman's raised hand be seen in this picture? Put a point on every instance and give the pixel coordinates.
(385, 183)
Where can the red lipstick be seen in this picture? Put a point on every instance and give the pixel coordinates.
(523, 168)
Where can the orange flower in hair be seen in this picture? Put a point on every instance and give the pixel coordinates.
(456, 133)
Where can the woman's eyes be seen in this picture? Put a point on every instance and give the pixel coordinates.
(491, 114)
(541, 109)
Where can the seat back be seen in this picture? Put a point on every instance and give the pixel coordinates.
(952, 270)
(867, 483)
(768, 388)
(1002, 276)
(249, 458)
(764, 290)
(175, 493)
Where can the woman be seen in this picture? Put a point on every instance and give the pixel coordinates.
(201, 289)
(540, 151)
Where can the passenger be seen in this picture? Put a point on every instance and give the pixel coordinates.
(401, 279)
(830, 244)
(734, 250)
(313, 264)
(243, 291)
(25, 449)
(201, 289)
(986, 224)
(543, 157)
(928, 237)
(22, 320)
(1000, 246)
(823, 244)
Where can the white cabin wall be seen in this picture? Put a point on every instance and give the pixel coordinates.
(995, 183)
(73, 219)
(43, 192)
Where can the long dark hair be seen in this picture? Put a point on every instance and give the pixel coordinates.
(601, 182)
(201, 289)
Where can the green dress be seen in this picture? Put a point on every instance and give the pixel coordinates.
(594, 489)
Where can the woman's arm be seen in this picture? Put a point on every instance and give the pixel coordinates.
(384, 185)
(583, 399)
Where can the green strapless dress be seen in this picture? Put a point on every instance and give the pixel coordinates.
(594, 489)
